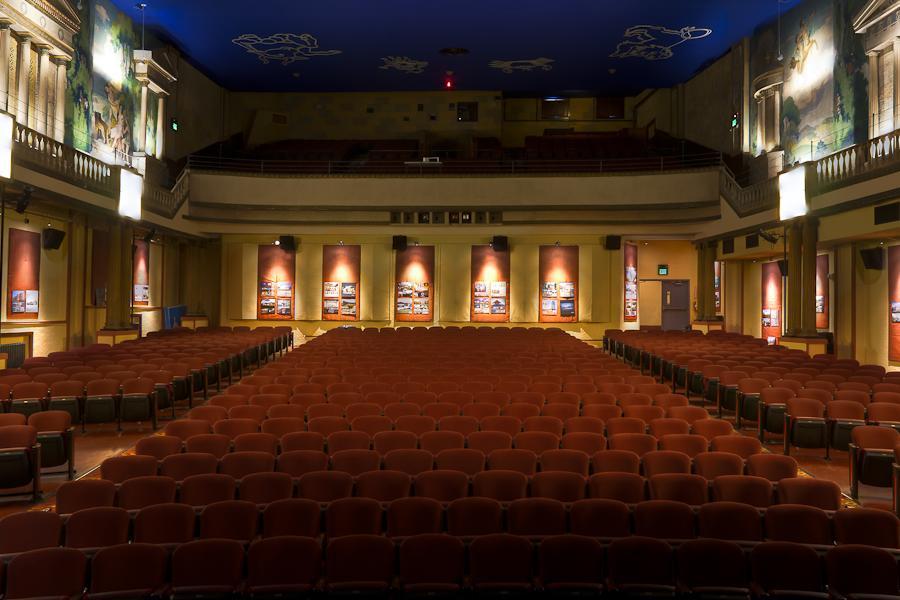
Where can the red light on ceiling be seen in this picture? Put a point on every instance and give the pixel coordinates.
(448, 80)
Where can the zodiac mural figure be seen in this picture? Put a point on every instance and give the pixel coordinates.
(285, 48)
(655, 42)
(804, 43)
(404, 64)
(508, 66)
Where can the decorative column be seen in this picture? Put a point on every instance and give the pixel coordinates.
(709, 280)
(896, 91)
(142, 124)
(23, 67)
(119, 269)
(761, 114)
(59, 102)
(808, 296)
(43, 90)
(873, 95)
(776, 109)
(5, 41)
(160, 125)
(793, 324)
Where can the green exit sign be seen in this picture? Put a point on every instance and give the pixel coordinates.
(662, 270)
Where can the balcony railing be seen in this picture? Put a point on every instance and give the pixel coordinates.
(874, 157)
(452, 167)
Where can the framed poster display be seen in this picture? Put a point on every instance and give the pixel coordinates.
(23, 274)
(893, 257)
(490, 285)
(823, 320)
(141, 276)
(414, 287)
(771, 302)
(340, 283)
(558, 293)
(631, 283)
(275, 285)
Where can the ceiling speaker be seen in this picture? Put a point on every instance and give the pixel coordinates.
(500, 243)
(872, 258)
(783, 267)
(52, 239)
(288, 243)
(399, 243)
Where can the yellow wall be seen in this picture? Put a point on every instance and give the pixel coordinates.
(871, 313)
(681, 257)
(600, 281)
(733, 293)
(752, 284)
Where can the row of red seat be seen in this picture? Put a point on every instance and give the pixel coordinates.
(442, 564)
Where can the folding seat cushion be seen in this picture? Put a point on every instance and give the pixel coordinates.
(866, 526)
(518, 459)
(536, 517)
(798, 523)
(84, 493)
(119, 468)
(871, 456)
(26, 574)
(353, 516)
(730, 521)
(500, 485)
(537, 441)
(510, 425)
(716, 464)
(621, 461)
(443, 486)
(858, 571)
(128, 570)
(786, 569)
(164, 524)
(283, 566)
(31, 530)
(302, 440)
(180, 466)
(467, 517)
(624, 487)
(200, 490)
(207, 567)
(710, 566)
(640, 564)
(618, 425)
(262, 488)
(755, 491)
(665, 461)
(821, 493)
(773, 467)
(500, 562)
(138, 492)
(743, 446)
(256, 442)
(347, 440)
(680, 487)
(97, 527)
(359, 563)
(415, 424)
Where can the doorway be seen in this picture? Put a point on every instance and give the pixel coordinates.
(676, 305)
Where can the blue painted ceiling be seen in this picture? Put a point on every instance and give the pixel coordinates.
(609, 47)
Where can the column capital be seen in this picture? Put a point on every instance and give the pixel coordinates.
(22, 36)
(5, 24)
(59, 60)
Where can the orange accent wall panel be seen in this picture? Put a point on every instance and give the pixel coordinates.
(141, 275)
(99, 267)
(558, 294)
(894, 303)
(822, 292)
(275, 274)
(414, 277)
(631, 283)
(23, 274)
(490, 285)
(771, 301)
(340, 283)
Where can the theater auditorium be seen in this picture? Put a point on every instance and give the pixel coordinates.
(407, 299)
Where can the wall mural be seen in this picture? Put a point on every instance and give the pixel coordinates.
(286, 48)
(655, 42)
(509, 66)
(404, 64)
(825, 92)
(103, 95)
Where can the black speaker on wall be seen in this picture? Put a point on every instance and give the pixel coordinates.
(612, 242)
(783, 267)
(287, 243)
(52, 239)
(399, 243)
(872, 258)
(500, 243)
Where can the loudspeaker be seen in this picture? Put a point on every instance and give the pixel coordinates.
(612, 242)
(500, 243)
(728, 246)
(783, 267)
(287, 243)
(52, 239)
(399, 243)
(887, 213)
(873, 258)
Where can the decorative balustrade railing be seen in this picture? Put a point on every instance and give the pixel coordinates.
(846, 166)
(44, 154)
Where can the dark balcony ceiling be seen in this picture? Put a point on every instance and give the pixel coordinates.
(599, 46)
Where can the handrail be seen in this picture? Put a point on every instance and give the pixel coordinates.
(452, 167)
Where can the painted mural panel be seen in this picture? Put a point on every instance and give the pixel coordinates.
(103, 96)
